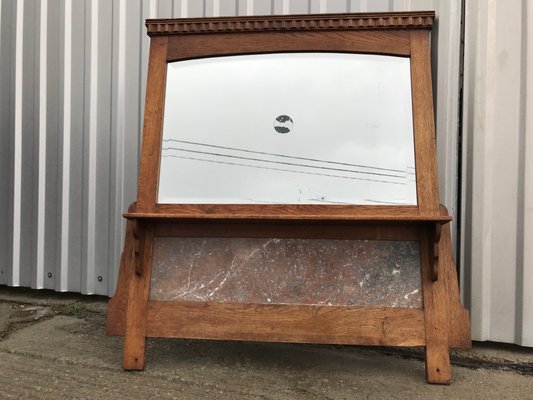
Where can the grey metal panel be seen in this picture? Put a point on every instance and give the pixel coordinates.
(73, 154)
(28, 158)
(6, 145)
(245, 7)
(280, 6)
(318, 6)
(212, 8)
(229, 7)
(196, 9)
(165, 9)
(104, 157)
(262, 7)
(49, 136)
(334, 6)
(300, 7)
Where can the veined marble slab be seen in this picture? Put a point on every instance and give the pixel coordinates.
(287, 271)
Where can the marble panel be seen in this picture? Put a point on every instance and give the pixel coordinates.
(287, 271)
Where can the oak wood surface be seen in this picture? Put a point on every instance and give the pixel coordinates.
(224, 44)
(153, 126)
(438, 368)
(118, 304)
(288, 212)
(292, 22)
(424, 125)
(459, 334)
(283, 230)
(286, 323)
(139, 287)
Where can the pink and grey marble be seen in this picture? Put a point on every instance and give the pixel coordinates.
(287, 271)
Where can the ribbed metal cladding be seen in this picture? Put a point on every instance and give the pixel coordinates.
(72, 82)
(498, 170)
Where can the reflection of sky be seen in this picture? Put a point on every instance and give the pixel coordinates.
(351, 110)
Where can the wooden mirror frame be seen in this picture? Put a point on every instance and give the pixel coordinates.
(440, 325)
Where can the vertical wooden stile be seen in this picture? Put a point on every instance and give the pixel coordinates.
(153, 125)
(136, 313)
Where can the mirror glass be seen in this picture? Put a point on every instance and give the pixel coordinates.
(291, 128)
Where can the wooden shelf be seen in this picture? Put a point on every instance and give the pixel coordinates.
(384, 218)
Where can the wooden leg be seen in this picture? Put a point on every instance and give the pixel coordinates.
(139, 285)
(438, 369)
(118, 304)
(458, 318)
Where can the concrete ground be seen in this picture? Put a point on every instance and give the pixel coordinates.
(53, 346)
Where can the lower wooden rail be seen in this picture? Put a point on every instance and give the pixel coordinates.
(286, 323)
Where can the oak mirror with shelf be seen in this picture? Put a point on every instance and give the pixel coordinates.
(288, 189)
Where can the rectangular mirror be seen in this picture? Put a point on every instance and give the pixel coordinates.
(288, 128)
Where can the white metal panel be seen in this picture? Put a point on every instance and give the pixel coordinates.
(497, 164)
(6, 152)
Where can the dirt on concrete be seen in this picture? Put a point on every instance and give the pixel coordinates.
(68, 356)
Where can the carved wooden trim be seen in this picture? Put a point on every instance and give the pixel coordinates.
(321, 22)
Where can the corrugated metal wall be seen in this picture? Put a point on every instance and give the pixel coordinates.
(498, 170)
(72, 80)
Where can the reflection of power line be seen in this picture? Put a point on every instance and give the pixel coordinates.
(284, 156)
(280, 162)
(281, 169)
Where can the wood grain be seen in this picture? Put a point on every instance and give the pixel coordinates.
(223, 44)
(153, 126)
(289, 212)
(286, 323)
(284, 230)
(438, 368)
(424, 125)
(118, 304)
(460, 336)
(139, 286)
(302, 22)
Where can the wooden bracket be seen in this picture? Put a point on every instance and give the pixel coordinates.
(136, 230)
(434, 251)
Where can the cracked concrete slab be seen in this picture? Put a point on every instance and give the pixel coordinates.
(27, 314)
(70, 357)
(13, 316)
